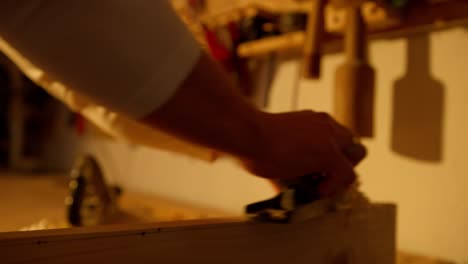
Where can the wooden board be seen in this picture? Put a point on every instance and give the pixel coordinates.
(404, 257)
(419, 18)
(364, 236)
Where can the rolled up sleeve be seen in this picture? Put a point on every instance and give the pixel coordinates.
(130, 56)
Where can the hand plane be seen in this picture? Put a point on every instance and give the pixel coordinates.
(299, 198)
(91, 201)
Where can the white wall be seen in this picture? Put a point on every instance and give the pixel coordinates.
(428, 185)
(431, 195)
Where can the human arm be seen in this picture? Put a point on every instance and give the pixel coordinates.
(121, 54)
(208, 109)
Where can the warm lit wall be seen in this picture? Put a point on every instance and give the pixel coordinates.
(417, 159)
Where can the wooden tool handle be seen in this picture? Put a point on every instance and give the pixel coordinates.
(313, 40)
(354, 94)
(355, 39)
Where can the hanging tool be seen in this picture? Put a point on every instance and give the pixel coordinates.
(355, 79)
(313, 40)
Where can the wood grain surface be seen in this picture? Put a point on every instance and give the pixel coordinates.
(364, 236)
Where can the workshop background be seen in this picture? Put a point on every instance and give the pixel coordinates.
(417, 158)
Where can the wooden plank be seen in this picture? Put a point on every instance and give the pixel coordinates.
(364, 236)
(288, 41)
(410, 258)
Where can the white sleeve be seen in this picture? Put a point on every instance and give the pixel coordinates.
(128, 55)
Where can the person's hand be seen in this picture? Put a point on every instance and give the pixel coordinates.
(300, 143)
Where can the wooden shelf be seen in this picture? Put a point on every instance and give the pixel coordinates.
(420, 18)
